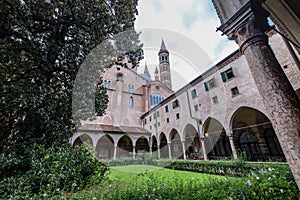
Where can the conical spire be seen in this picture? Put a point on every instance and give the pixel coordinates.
(163, 47)
(146, 71)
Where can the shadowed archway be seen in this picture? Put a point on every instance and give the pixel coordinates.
(176, 145)
(192, 142)
(105, 147)
(83, 138)
(125, 147)
(254, 135)
(142, 145)
(216, 141)
(163, 146)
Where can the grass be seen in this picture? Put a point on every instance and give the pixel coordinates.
(132, 173)
(122, 177)
(152, 182)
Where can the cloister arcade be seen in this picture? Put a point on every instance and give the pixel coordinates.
(251, 134)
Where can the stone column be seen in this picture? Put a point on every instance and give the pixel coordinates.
(183, 150)
(279, 97)
(232, 146)
(115, 151)
(170, 152)
(158, 151)
(202, 139)
(133, 152)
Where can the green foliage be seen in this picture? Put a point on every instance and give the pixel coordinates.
(232, 168)
(172, 184)
(42, 47)
(52, 171)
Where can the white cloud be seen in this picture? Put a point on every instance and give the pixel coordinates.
(195, 19)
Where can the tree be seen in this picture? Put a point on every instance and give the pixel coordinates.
(42, 45)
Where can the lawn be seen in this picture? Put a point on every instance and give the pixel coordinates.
(152, 182)
(134, 173)
(123, 177)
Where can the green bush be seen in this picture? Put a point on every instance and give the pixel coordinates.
(260, 185)
(52, 171)
(232, 168)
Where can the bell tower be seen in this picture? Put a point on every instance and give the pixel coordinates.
(164, 65)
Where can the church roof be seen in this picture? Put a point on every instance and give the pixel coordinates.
(113, 129)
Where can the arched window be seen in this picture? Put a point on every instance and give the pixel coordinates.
(106, 84)
(119, 77)
(130, 88)
(156, 98)
(130, 102)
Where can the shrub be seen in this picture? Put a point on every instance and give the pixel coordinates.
(52, 171)
(261, 184)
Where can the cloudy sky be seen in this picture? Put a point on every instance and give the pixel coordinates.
(182, 23)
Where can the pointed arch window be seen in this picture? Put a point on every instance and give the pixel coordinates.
(130, 102)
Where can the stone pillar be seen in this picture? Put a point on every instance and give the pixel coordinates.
(150, 149)
(279, 97)
(183, 150)
(158, 151)
(232, 146)
(133, 152)
(170, 152)
(202, 139)
(115, 151)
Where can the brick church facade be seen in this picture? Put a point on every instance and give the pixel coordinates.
(217, 115)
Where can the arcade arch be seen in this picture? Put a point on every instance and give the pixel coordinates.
(176, 145)
(142, 145)
(192, 142)
(82, 138)
(163, 146)
(217, 144)
(125, 147)
(105, 147)
(254, 135)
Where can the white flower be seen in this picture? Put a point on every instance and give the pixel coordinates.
(281, 190)
(257, 178)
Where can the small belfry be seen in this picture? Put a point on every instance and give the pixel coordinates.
(164, 65)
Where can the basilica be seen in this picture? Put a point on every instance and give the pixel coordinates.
(218, 115)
